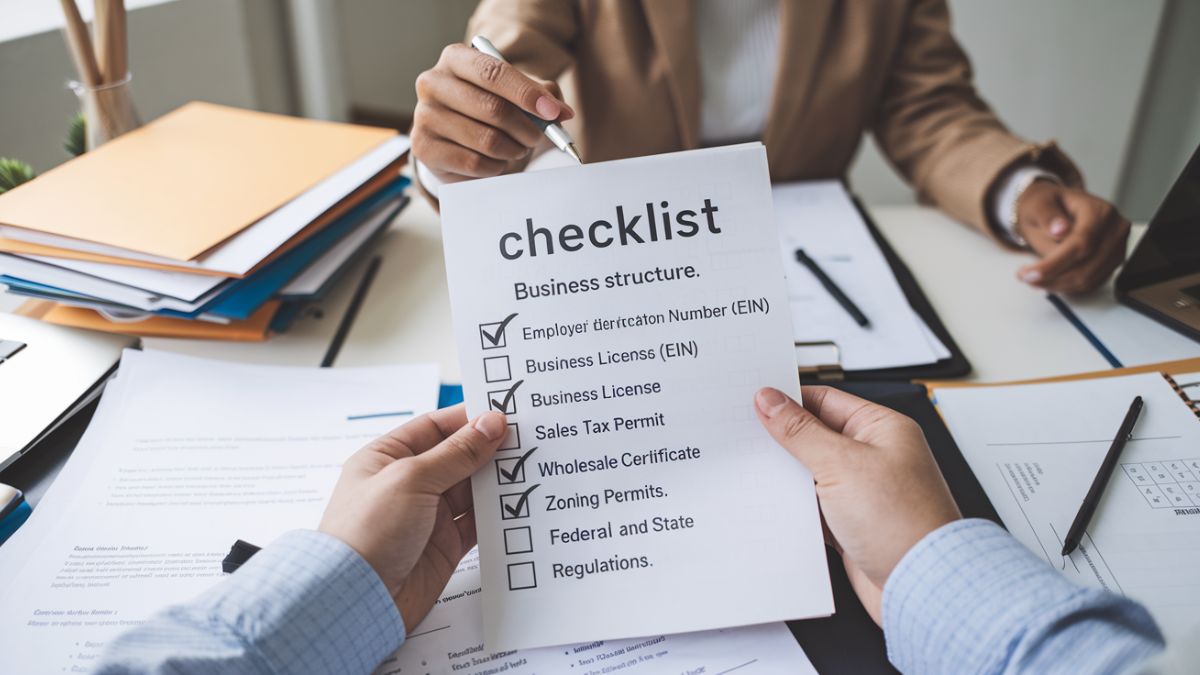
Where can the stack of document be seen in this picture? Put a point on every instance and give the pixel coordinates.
(820, 218)
(213, 218)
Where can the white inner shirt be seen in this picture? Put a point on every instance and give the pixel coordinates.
(738, 45)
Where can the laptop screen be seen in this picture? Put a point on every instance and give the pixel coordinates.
(1171, 246)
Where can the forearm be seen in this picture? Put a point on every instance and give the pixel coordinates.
(306, 603)
(971, 599)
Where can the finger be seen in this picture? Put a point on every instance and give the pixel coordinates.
(449, 158)
(463, 453)
(1095, 271)
(444, 90)
(421, 433)
(485, 139)
(1092, 218)
(1041, 208)
(503, 79)
(459, 498)
(466, 529)
(833, 407)
(799, 431)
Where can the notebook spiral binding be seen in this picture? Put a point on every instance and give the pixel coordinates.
(1193, 404)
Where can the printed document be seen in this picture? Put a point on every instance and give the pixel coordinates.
(1036, 448)
(183, 457)
(622, 315)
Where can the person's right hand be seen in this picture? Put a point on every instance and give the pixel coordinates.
(878, 486)
(468, 122)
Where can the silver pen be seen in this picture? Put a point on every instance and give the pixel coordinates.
(557, 135)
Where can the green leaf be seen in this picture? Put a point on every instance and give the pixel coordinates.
(75, 142)
(13, 172)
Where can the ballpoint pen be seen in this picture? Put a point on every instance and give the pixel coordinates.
(834, 290)
(557, 135)
(1092, 500)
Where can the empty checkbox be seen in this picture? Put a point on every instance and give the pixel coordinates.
(521, 575)
(518, 540)
(496, 369)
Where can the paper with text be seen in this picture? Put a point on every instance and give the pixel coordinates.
(1036, 448)
(450, 640)
(820, 217)
(622, 315)
(183, 457)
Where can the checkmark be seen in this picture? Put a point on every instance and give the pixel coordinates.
(491, 335)
(504, 400)
(515, 473)
(516, 505)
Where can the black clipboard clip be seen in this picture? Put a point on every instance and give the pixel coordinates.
(823, 359)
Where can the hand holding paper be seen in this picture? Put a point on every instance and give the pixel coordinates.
(404, 503)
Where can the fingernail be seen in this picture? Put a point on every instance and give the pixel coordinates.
(770, 401)
(1058, 227)
(547, 107)
(490, 424)
(1031, 276)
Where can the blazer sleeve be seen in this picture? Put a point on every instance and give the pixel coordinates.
(938, 132)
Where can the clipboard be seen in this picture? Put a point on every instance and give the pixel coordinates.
(849, 641)
(956, 365)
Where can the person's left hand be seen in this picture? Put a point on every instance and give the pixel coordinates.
(404, 503)
(1080, 237)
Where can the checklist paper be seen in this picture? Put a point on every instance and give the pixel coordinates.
(622, 315)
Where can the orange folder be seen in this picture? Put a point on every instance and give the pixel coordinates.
(256, 328)
(187, 181)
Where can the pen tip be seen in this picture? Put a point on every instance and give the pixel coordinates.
(573, 152)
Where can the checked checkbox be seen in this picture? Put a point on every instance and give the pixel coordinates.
(512, 438)
(521, 576)
(516, 505)
(504, 400)
(492, 336)
(511, 470)
(496, 369)
(518, 540)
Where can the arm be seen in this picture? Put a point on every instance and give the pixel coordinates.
(971, 599)
(952, 595)
(950, 146)
(341, 599)
(260, 619)
(937, 131)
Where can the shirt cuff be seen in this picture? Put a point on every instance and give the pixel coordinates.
(1004, 206)
(310, 599)
(969, 598)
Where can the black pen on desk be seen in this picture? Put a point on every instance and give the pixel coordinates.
(837, 293)
(1094, 493)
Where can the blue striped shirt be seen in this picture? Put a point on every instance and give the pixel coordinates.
(967, 599)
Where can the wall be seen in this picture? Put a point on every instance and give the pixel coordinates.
(179, 51)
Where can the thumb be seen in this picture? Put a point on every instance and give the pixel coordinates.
(799, 431)
(1044, 209)
(466, 451)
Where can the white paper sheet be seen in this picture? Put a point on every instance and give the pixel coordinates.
(183, 457)
(637, 482)
(1134, 338)
(450, 640)
(1036, 449)
(820, 218)
(314, 277)
(179, 285)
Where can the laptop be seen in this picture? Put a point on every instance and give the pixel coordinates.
(1161, 279)
(47, 374)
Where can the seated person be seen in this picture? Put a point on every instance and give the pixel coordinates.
(953, 596)
(807, 77)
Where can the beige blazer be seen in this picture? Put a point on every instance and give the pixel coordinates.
(891, 67)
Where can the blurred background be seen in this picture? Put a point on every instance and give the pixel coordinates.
(1115, 82)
